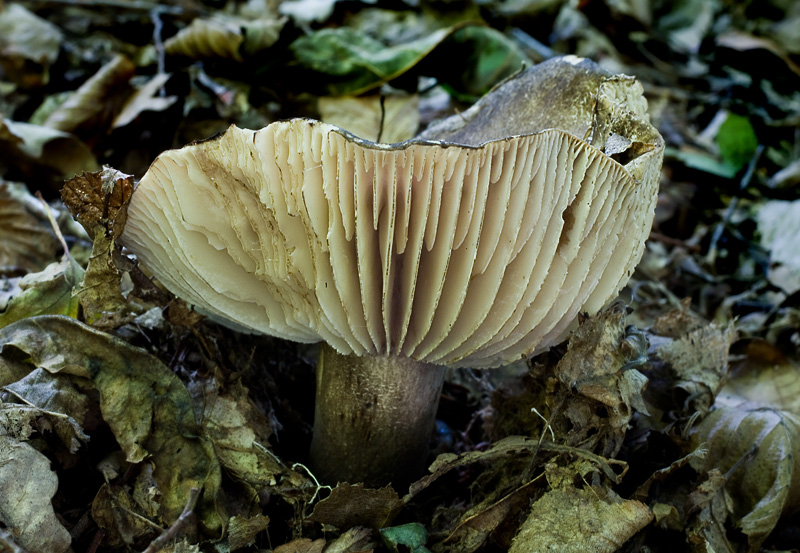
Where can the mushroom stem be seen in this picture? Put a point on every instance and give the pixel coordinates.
(374, 417)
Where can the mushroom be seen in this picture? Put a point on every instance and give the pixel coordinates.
(474, 245)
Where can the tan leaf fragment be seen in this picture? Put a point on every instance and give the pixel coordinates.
(302, 545)
(239, 432)
(24, 36)
(243, 530)
(25, 243)
(115, 512)
(700, 362)
(145, 404)
(145, 99)
(33, 146)
(27, 484)
(352, 541)
(757, 448)
(378, 118)
(354, 505)
(224, 36)
(94, 97)
(570, 520)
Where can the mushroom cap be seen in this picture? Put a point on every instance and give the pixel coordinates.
(464, 252)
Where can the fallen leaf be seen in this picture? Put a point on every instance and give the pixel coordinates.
(385, 119)
(779, 226)
(757, 448)
(243, 530)
(225, 36)
(46, 292)
(354, 505)
(25, 243)
(357, 61)
(95, 98)
(99, 198)
(354, 540)
(600, 385)
(578, 520)
(145, 99)
(239, 432)
(51, 398)
(699, 360)
(117, 514)
(29, 147)
(302, 545)
(24, 37)
(27, 484)
(146, 406)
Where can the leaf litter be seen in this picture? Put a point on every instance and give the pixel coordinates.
(667, 422)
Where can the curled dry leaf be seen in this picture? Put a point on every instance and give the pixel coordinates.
(27, 484)
(243, 530)
(571, 520)
(354, 505)
(147, 408)
(99, 198)
(31, 148)
(94, 98)
(379, 118)
(47, 292)
(26, 37)
(25, 243)
(756, 446)
(225, 36)
(600, 385)
(145, 98)
(699, 360)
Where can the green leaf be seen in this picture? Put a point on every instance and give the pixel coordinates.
(737, 141)
(147, 407)
(46, 292)
(486, 57)
(359, 61)
(412, 535)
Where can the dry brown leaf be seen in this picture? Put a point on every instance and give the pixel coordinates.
(385, 119)
(99, 198)
(25, 37)
(114, 511)
(94, 97)
(354, 505)
(599, 384)
(571, 520)
(699, 360)
(25, 243)
(145, 99)
(27, 484)
(302, 545)
(33, 147)
(757, 448)
(225, 36)
(242, 530)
